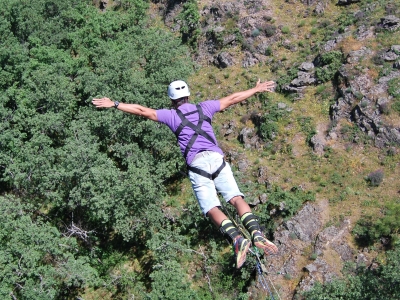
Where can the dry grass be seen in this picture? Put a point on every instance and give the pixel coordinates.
(350, 44)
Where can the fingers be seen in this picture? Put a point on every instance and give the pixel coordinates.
(267, 86)
(102, 102)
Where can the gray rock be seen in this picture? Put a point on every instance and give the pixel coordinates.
(223, 60)
(306, 66)
(320, 8)
(303, 79)
(355, 56)
(334, 238)
(347, 2)
(395, 49)
(282, 105)
(229, 39)
(243, 165)
(305, 225)
(329, 45)
(390, 56)
(262, 174)
(263, 198)
(318, 144)
(250, 139)
(249, 60)
(390, 23)
(364, 32)
(318, 271)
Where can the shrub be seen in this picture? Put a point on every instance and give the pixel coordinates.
(269, 30)
(267, 18)
(287, 203)
(394, 88)
(369, 229)
(267, 124)
(378, 59)
(268, 130)
(307, 127)
(331, 62)
(363, 283)
(190, 18)
(325, 24)
(375, 178)
(285, 30)
(255, 32)
(268, 51)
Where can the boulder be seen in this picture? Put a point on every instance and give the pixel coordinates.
(224, 60)
(390, 23)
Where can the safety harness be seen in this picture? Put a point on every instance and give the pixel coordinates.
(197, 132)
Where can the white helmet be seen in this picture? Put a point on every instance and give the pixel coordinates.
(178, 89)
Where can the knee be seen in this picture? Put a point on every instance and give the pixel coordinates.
(236, 200)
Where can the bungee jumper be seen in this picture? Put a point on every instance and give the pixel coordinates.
(209, 173)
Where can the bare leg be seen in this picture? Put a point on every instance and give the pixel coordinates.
(216, 216)
(241, 206)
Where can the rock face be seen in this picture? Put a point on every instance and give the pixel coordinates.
(362, 100)
(305, 77)
(323, 262)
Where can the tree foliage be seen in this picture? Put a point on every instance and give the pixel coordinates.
(37, 261)
(190, 23)
(102, 169)
(55, 146)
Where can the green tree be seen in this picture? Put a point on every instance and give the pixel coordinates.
(104, 167)
(190, 23)
(37, 261)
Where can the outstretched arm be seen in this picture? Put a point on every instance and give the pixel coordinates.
(135, 109)
(227, 101)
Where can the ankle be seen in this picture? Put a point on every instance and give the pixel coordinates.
(236, 239)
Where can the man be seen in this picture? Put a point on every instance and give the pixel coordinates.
(208, 170)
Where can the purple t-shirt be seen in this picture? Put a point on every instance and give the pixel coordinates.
(170, 118)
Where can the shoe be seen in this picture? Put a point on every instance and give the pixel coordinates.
(262, 243)
(241, 246)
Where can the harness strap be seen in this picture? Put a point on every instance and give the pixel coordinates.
(198, 131)
(205, 174)
(196, 128)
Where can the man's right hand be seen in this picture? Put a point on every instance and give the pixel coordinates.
(103, 102)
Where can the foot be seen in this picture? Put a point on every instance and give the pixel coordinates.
(262, 243)
(241, 246)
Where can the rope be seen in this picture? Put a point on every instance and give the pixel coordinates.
(261, 277)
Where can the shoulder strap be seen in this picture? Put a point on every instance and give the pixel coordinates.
(196, 128)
